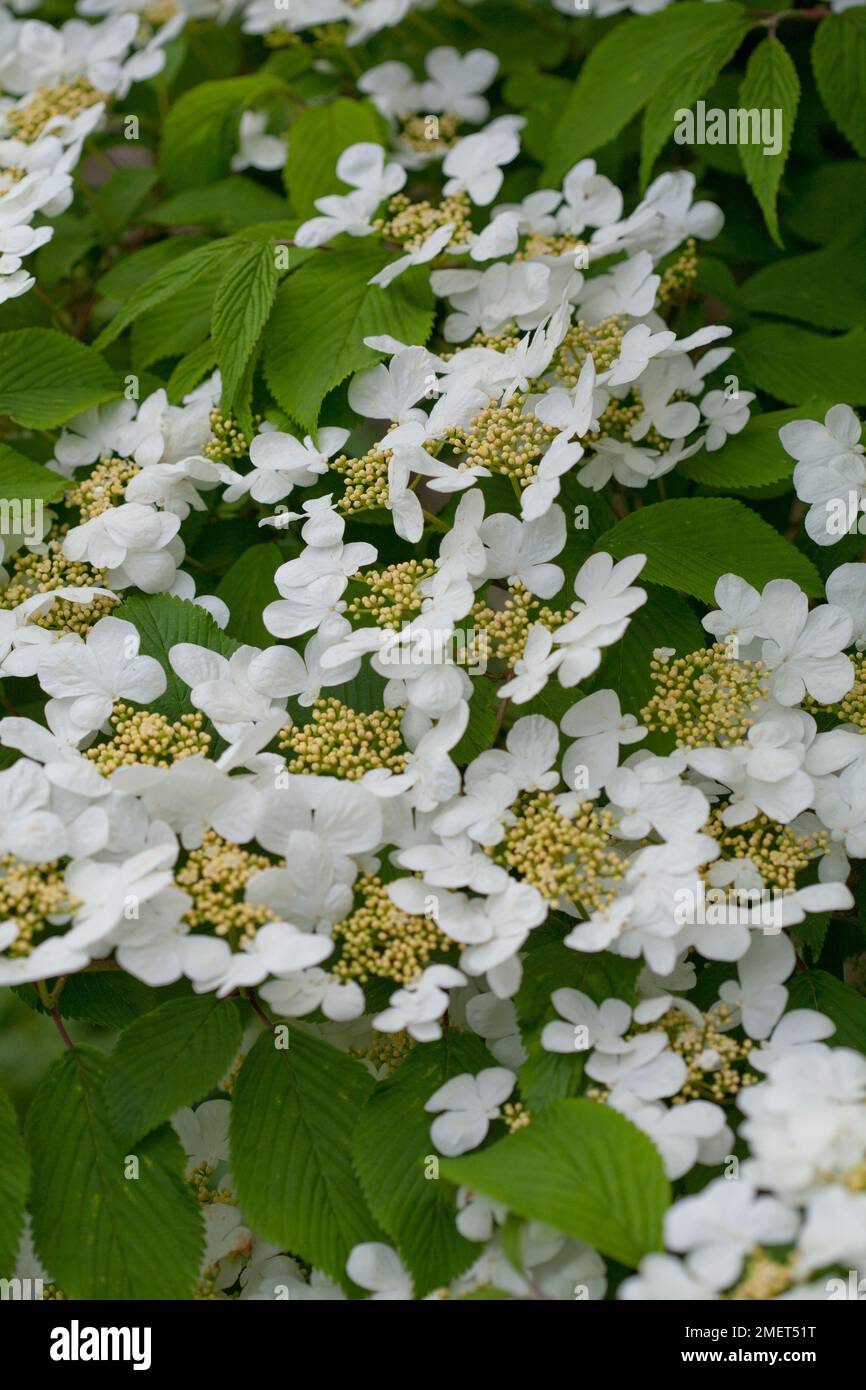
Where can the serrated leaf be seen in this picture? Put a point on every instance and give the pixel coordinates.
(240, 311)
(162, 621)
(317, 139)
(754, 457)
(200, 133)
(14, 1181)
(293, 1113)
(391, 1147)
(47, 377)
(112, 999)
(190, 371)
(321, 315)
(180, 324)
(247, 588)
(583, 1168)
(99, 1233)
(839, 64)
(770, 84)
(21, 479)
(170, 1058)
(167, 282)
(632, 62)
(706, 58)
(690, 542)
(793, 364)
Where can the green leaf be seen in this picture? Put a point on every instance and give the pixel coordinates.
(839, 64)
(316, 141)
(132, 271)
(47, 377)
(191, 370)
(321, 315)
(162, 621)
(636, 59)
(200, 134)
(99, 1233)
(112, 999)
(125, 193)
(754, 457)
(14, 1181)
(170, 1058)
(690, 542)
(793, 364)
(816, 989)
(247, 588)
(180, 324)
(770, 84)
(293, 1113)
(710, 52)
(167, 282)
(240, 311)
(391, 1147)
(583, 1168)
(824, 288)
(20, 479)
(225, 206)
(829, 203)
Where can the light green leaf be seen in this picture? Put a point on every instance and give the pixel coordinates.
(583, 1168)
(690, 542)
(169, 281)
(240, 311)
(14, 1181)
(317, 139)
(707, 56)
(225, 206)
(321, 315)
(839, 64)
(170, 1058)
(637, 58)
(100, 1233)
(200, 134)
(391, 1147)
(770, 84)
(47, 377)
(793, 364)
(293, 1113)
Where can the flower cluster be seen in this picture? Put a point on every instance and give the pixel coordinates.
(404, 791)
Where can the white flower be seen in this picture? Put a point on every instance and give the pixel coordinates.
(456, 80)
(605, 600)
(805, 651)
(726, 416)
(683, 1134)
(764, 772)
(278, 948)
(532, 669)
(739, 614)
(520, 551)
(281, 463)
(96, 673)
(846, 589)
(599, 727)
(392, 89)
(192, 795)
(474, 163)
(257, 149)
(721, 1224)
(469, 1104)
(418, 1006)
(758, 997)
(134, 542)
(590, 199)
(830, 467)
(293, 996)
(629, 288)
(106, 892)
(588, 1025)
(419, 255)
(379, 1268)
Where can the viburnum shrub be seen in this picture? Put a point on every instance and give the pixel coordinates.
(433, 648)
